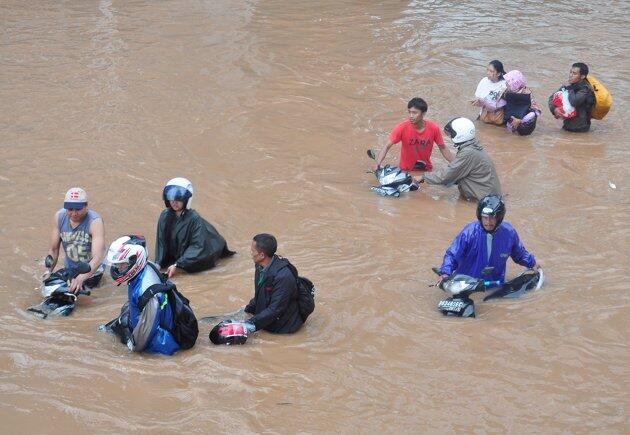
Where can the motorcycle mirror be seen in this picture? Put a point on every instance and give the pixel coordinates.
(487, 270)
(48, 261)
(436, 270)
(371, 154)
(83, 267)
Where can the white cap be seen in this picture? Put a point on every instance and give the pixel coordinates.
(75, 198)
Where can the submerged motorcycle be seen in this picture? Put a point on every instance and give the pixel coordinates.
(462, 286)
(55, 288)
(392, 180)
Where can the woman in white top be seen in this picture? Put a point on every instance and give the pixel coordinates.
(488, 94)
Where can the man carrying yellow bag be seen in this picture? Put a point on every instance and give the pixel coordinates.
(580, 97)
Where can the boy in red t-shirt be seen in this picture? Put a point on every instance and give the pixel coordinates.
(417, 136)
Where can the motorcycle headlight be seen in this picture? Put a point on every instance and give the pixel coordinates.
(460, 284)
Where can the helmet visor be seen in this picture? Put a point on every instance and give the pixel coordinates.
(448, 129)
(176, 193)
(114, 258)
(487, 211)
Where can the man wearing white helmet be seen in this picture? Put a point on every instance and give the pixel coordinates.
(146, 322)
(472, 169)
(82, 233)
(184, 239)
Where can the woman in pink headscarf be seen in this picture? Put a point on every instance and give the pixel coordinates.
(520, 110)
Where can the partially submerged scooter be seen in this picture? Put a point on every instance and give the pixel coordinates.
(392, 180)
(462, 286)
(58, 299)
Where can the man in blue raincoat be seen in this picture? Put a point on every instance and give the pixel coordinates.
(487, 242)
(143, 327)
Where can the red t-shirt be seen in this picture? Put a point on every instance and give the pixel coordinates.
(416, 145)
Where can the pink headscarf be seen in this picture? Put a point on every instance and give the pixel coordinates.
(515, 80)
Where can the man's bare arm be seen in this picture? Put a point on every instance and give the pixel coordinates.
(382, 153)
(446, 153)
(55, 241)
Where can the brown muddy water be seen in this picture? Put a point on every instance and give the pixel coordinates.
(268, 107)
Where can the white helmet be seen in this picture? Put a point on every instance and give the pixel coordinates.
(130, 250)
(460, 130)
(178, 189)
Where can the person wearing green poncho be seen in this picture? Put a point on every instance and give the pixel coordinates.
(184, 239)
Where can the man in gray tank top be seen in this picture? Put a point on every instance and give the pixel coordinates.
(82, 233)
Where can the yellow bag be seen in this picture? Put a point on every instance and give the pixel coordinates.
(492, 117)
(603, 99)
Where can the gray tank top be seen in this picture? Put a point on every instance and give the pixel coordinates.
(77, 242)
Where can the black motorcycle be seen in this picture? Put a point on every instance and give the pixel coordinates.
(58, 299)
(462, 286)
(392, 180)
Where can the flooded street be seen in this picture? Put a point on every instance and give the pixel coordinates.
(268, 108)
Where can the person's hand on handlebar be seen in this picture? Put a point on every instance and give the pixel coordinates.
(443, 277)
(77, 283)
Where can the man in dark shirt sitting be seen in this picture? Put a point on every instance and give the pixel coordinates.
(275, 303)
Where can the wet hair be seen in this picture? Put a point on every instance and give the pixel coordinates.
(419, 104)
(582, 66)
(266, 243)
(498, 67)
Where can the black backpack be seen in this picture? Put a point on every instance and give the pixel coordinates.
(185, 327)
(306, 293)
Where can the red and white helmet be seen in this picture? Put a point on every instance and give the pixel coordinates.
(130, 250)
(229, 332)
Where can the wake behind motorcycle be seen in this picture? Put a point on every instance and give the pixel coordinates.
(55, 288)
(462, 286)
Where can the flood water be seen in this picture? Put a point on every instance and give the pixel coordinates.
(268, 107)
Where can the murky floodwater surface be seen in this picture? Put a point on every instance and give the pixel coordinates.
(268, 107)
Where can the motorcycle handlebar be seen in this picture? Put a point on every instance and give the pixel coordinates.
(48, 262)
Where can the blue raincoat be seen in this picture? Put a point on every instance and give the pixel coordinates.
(468, 253)
(158, 339)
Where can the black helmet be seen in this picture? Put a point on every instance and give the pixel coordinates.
(229, 332)
(491, 205)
